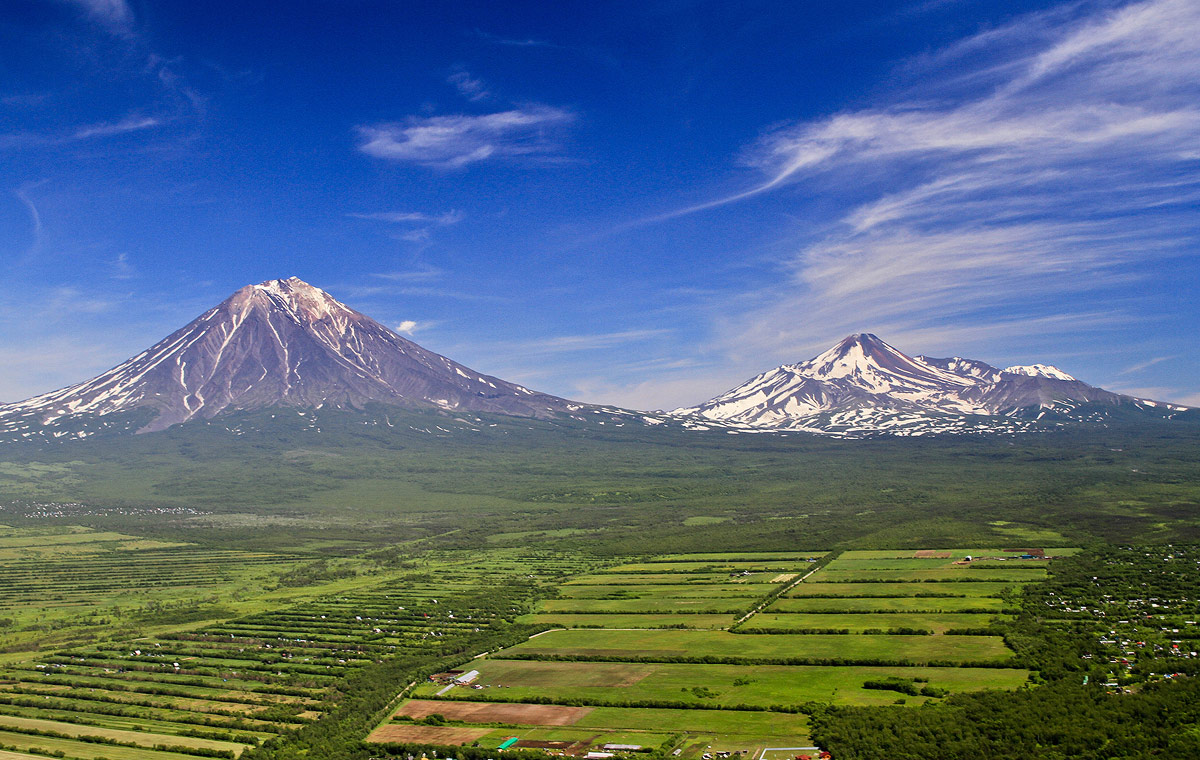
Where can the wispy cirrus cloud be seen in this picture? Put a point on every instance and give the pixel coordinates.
(417, 226)
(417, 217)
(418, 274)
(586, 342)
(457, 141)
(1060, 172)
(98, 130)
(1135, 368)
(471, 88)
(107, 129)
(513, 41)
(35, 218)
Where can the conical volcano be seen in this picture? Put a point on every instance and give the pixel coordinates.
(282, 343)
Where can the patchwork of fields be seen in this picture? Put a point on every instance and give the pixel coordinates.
(216, 690)
(722, 652)
(695, 653)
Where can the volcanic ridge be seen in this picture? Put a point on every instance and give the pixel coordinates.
(863, 386)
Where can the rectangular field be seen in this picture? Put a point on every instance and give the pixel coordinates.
(148, 740)
(933, 622)
(814, 587)
(449, 735)
(658, 579)
(743, 556)
(671, 644)
(495, 712)
(669, 591)
(714, 566)
(568, 620)
(887, 604)
(85, 751)
(608, 719)
(945, 574)
(654, 604)
(713, 686)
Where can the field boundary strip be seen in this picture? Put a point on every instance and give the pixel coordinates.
(775, 594)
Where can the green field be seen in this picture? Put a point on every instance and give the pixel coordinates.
(712, 566)
(667, 591)
(697, 579)
(84, 750)
(933, 575)
(717, 721)
(682, 605)
(660, 644)
(761, 685)
(887, 604)
(143, 738)
(225, 685)
(628, 621)
(815, 587)
(739, 557)
(935, 622)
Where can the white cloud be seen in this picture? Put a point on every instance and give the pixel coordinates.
(588, 342)
(471, 88)
(86, 132)
(400, 217)
(35, 218)
(456, 141)
(1013, 204)
(513, 42)
(408, 327)
(107, 129)
(411, 275)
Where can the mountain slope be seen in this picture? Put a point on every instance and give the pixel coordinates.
(279, 343)
(864, 386)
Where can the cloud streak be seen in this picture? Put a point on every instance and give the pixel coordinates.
(98, 130)
(107, 129)
(1133, 369)
(457, 141)
(416, 217)
(35, 219)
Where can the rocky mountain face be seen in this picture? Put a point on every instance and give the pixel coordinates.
(865, 386)
(278, 343)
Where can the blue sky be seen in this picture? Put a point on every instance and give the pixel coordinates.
(639, 203)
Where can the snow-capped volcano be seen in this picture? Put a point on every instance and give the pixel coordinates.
(863, 385)
(279, 343)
